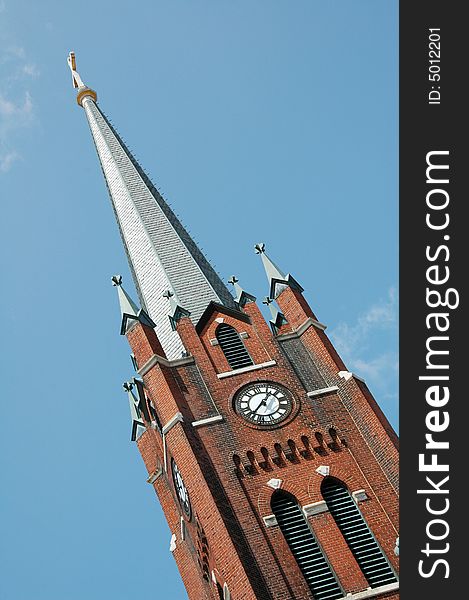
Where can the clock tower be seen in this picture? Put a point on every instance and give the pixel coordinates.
(274, 465)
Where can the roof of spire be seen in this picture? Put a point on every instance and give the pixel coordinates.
(161, 253)
(278, 280)
(176, 311)
(129, 311)
(135, 417)
(278, 318)
(241, 296)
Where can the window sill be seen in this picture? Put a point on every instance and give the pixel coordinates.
(269, 363)
(322, 391)
(371, 593)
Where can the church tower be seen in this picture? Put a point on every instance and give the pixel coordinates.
(274, 465)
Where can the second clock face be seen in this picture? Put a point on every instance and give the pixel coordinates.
(264, 403)
(181, 490)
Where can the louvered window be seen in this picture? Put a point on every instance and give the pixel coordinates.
(304, 547)
(233, 347)
(361, 541)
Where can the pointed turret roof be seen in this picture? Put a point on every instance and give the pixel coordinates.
(176, 311)
(241, 296)
(278, 318)
(278, 280)
(129, 310)
(135, 417)
(161, 253)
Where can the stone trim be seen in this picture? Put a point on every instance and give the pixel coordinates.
(371, 593)
(301, 329)
(183, 529)
(207, 421)
(346, 375)
(359, 495)
(327, 390)
(316, 508)
(269, 363)
(323, 470)
(274, 483)
(155, 475)
(161, 360)
(270, 520)
(178, 418)
(172, 422)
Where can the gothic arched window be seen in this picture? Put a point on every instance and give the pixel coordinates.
(357, 534)
(233, 347)
(304, 547)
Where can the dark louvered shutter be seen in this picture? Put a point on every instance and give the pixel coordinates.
(233, 347)
(364, 547)
(305, 549)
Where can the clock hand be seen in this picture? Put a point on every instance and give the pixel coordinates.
(260, 404)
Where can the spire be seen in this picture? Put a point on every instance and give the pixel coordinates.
(241, 296)
(161, 253)
(129, 310)
(278, 281)
(137, 421)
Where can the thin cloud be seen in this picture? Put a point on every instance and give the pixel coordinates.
(7, 160)
(373, 369)
(17, 108)
(30, 70)
(353, 341)
(18, 73)
(15, 114)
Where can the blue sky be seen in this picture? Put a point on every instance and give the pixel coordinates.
(279, 120)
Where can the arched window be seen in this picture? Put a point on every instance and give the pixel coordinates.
(233, 347)
(357, 534)
(304, 547)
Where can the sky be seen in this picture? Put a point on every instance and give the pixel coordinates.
(260, 121)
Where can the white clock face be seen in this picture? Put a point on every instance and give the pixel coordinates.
(181, 490)
(264, 403)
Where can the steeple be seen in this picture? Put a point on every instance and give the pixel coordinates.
(161, 254)
(229, 425)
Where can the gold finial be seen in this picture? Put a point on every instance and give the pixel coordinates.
(77, 82)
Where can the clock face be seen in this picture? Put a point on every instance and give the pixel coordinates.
(181, 490)
(264, 403)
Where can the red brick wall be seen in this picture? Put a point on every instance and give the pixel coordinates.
(229, 503)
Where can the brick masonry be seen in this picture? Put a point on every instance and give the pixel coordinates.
(227, 464)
